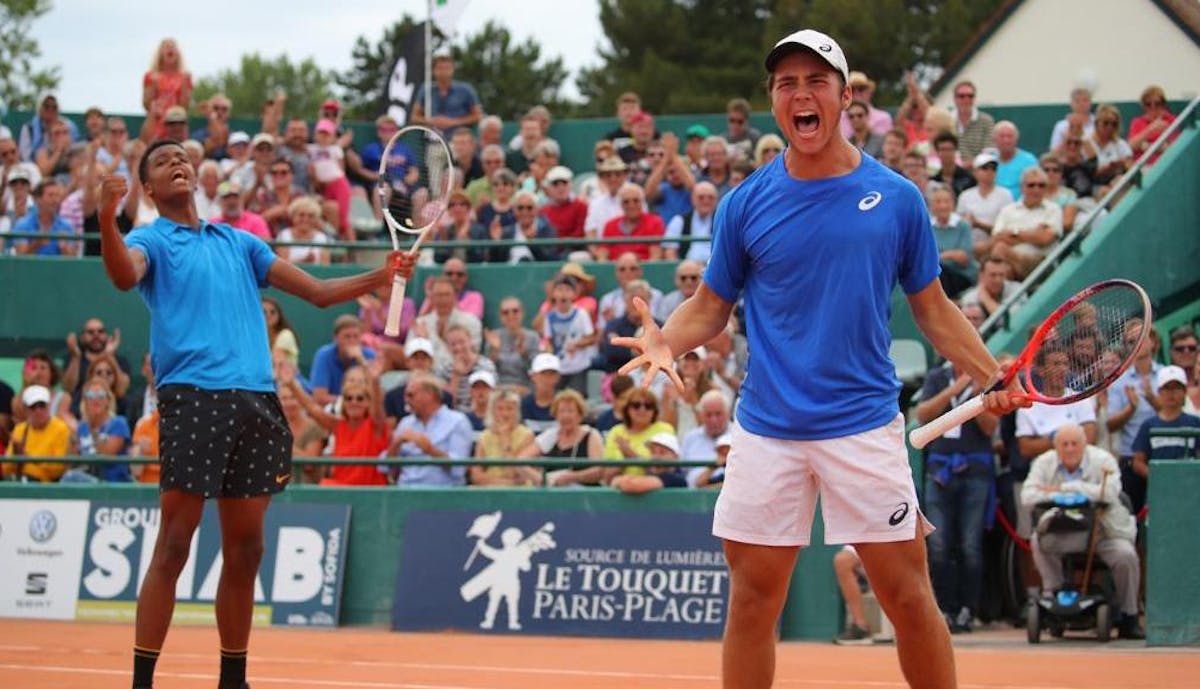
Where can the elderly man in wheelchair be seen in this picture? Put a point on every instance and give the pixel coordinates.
(1074, 491)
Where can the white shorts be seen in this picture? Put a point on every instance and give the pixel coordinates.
(864, 481)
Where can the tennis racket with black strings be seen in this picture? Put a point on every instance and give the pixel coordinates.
(1103, 313)
(415, 177)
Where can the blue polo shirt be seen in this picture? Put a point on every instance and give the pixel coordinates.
(328, 370)
(458, 101)
(816, 262)
(206, 321)
(59, 230)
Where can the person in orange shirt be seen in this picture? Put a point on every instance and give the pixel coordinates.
(145, 444)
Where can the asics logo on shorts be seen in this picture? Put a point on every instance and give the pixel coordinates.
(899, 514)
(870, 201)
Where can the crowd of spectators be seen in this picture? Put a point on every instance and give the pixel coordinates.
(544, 384)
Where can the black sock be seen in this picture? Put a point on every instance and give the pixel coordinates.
(143, 667)
(233, 669)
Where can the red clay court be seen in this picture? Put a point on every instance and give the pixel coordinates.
(71, 655)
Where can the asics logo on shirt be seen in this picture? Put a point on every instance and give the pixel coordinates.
(870, 201)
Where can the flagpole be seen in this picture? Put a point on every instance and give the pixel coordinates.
(428, 60)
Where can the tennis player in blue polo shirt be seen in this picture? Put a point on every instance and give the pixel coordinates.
(222, 432)
(815, 242)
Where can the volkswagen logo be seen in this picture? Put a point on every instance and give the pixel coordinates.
(42, 526)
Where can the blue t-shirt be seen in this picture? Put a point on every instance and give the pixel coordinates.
(206, 320)
(1165, 447)
(29, 223)
(458, 101)
(674, 201)
(114, 427)
(816, 262)
(327, 369)
(1008, 175)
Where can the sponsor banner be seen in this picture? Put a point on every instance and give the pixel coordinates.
(657, 575)
(41, 548)
(299, 581)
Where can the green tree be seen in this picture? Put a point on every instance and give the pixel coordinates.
(20, 80)
(682, 56)
(258, 79)
(364, 84)
(509, 78)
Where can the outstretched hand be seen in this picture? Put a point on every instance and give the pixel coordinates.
(651, 349)
(1008, 399)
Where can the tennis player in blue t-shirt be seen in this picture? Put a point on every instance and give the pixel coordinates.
(222, 432)
(815, 242)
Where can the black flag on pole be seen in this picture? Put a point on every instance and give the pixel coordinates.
(407, 74)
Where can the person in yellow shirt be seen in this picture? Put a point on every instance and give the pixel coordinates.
(638, 411)
(41, 435)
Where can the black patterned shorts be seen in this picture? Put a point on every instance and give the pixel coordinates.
(222, 443)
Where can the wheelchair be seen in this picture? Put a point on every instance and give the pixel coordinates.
(1089, 606)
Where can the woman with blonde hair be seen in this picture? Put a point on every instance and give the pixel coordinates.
(568, 438)
(304, 216)
(768, 146)
(280, 335)
(101, 432)
(1113, 154)
(166, 84)
(638, 410)
(503, 438)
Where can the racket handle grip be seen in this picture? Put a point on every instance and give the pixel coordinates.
(395, 306)
(920, 437)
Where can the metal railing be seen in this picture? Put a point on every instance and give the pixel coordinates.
(1071, 242)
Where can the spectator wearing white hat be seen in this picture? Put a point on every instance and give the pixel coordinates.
(1170, 385)
(545, 372)
(663, 446)
(254, 174)
(418, 354)
(606, 204)
(174, 125)
(42, 434)
(480, 386)
(503, 438)
(713, 476)
(563, 210)
(17, 201)
(980, 204)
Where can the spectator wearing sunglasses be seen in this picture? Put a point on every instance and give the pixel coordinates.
(1146, 128)
(565, 212)
(741, 136)
(469, 300)
(687, 280)
(862, 88)
(94, 349)
(1113, 154)
(101, 432)
(42, 434)
(528, 226)
(861, 135)
(973, 127)
(638, 411)
(1026, 229)
(1183, 353)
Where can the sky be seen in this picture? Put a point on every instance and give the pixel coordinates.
(104, 48)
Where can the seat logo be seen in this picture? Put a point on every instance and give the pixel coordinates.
(870, 201)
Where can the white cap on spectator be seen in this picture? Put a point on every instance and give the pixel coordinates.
(18, 173)
(418, 344)
(985, 158)
(824, 46)
(699, 351)
(228, 189)
(239, 138)
(175, 114)
(545, 362)
(262, 138)
(1169, 374)
(558, 173)
(35, 394)
(725, 440)
(666, 440)
(485, 377)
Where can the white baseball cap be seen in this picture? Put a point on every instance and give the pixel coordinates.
(699, 351)
(545, 362)
(1166, 374)
(984, 158)
(485, 377)
(35, 394)
(819, 43)
(666, 440)
(418, 344)
(239, 138)
(725, 440)
(558, 173)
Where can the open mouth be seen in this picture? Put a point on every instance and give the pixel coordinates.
(806, 122)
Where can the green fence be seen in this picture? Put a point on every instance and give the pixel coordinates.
(378, 518)
(1173, 555)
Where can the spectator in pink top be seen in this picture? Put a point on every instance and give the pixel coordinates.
(862, 88)
(167, 84)
(469, 300)
(234, 215)
(1145, 129)
(634, 221)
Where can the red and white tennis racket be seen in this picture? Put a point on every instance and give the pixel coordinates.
(1095, 329)
(415, 177)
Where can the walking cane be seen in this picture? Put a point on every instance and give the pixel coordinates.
(1087, 569)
